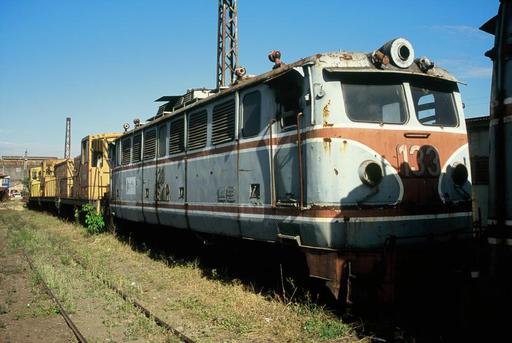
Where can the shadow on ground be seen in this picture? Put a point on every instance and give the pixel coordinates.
(438, 302)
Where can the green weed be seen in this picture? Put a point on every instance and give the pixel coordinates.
(94, 222)
(326, 329)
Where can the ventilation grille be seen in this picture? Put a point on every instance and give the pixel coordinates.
(480, 166)
(137, 143)
(149, 144)
(223, 128)
(197, 125)
(126, 149)
(177, 136)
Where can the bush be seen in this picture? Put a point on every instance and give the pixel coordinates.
(94, 222)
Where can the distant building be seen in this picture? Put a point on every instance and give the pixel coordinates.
(17, 167)
(478, 138)
(4, 186)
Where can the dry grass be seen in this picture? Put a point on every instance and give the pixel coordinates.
(99, 312)
(204, 309)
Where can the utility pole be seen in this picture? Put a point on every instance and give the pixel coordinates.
(67, 142)
(25, 159)
(227, 42)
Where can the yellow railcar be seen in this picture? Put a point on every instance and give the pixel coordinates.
(92, 173)
(73, 182)
(48, 179)
(35, 182)
(64, 172)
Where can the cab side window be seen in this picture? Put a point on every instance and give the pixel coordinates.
(251, 111)
(85, 151)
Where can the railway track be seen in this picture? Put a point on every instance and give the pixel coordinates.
(135, 303)
(158, 321)
(80, 338)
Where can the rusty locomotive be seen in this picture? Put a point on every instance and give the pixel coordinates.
(338, 153)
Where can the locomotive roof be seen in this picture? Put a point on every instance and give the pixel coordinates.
(102, 135)
(341, 61)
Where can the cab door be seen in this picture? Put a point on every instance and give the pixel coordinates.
(286, 162)
(254, 170)
(289, 90)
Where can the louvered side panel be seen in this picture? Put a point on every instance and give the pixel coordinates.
(126, 150)
(149, 144)
(197, 129)
(137, 144)
(223, 126)
(177, 136)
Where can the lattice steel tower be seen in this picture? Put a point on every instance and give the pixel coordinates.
(67, 143)
(227, 42)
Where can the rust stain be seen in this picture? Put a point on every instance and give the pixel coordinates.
(327, 144)
(343, 146)
(346, 56)
(326, 113)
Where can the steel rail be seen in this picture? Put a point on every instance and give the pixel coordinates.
(62, 311)
(135, 303)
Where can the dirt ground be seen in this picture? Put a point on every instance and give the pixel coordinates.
(26, 313)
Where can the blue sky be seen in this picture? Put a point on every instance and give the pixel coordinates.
(104, 62)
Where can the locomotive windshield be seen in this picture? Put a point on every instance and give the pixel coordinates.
(434, 103)
(375, 103)
(373, 98)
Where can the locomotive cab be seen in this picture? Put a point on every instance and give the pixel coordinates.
(402, 129)
(386, 159)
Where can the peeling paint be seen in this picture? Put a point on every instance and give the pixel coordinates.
(326, 113)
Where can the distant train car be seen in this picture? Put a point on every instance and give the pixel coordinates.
(337, 153)
(92, 178)
(35, 182)
(48, 178)
(74, 182)
(64, 172)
